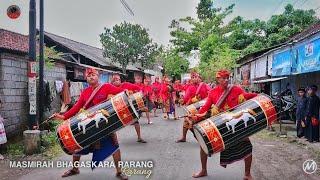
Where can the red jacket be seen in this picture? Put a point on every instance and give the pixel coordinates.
(164, 92)
(236, 96)
(130, 87)
(147, 92)
(156, 87)
(102, 95)
(190, 93)
(204, 90)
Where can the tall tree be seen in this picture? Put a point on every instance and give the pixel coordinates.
(128, 43)
(290, 22)
(215, 55)
(174, 64)
(205, 9)
(188, 33)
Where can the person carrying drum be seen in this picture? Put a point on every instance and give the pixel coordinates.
(195, 92)
(148, 94)
(95, 94)
(167, 96)
(156, 86)
(116, 81)
(224, 97)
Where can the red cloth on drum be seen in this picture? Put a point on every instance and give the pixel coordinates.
(130, 87)
(236, 96)
(102, 95)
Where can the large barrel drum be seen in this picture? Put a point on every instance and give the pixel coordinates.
(91, 125)
(138, 101)
(194, 108)
(219, 132)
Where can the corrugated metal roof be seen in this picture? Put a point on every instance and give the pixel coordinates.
(90, 52)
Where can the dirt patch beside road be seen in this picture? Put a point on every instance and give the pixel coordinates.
(281, 158)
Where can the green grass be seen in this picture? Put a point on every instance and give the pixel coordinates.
(49, 148)
(15, 150)
(49, 145)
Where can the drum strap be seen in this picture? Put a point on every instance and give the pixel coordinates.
(223, 97)
(92, 96)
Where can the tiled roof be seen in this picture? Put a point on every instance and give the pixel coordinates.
(14, 41)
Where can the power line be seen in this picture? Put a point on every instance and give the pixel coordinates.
(303, 3)
(127, 7)
(277, 7)
(295, 2)
(316, 9)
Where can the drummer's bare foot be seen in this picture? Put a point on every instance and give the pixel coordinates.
(180, 140)
(121, 176)
(248, 177)
(202, 173)
(71, 172)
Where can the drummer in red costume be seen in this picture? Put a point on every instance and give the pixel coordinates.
(156, 86)
(148, 93)
(116, 81)
(167, 96)
(106, 146)
(195, 92)
(235, 95)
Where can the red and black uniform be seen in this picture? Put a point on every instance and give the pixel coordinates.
(130, 87)
(148, 93)
(236, 96)
(101, 95)
(156, 87)
(109, 144)
(166, 94)
(190, 93)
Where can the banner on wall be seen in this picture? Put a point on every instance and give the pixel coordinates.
(245, 75)
(281, 64)
(308, 57)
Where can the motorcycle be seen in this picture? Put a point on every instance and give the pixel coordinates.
(286, 101)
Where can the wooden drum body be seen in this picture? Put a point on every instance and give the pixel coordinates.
(138, 101)
(91, 125)
(219, 132)
(194, 108)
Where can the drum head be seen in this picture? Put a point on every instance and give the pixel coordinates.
(201, 141)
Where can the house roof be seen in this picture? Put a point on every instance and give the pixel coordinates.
(256, 54)
(311, 30)
(90, 52)
(14, 41)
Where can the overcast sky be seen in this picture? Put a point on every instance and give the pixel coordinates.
(83, 21)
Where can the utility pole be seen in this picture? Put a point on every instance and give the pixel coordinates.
(32, 66)
(41, 64)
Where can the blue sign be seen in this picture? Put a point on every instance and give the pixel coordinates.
(308, 55)
(281, 64)
(104, 78)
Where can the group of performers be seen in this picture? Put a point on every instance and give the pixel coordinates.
(164, 95)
